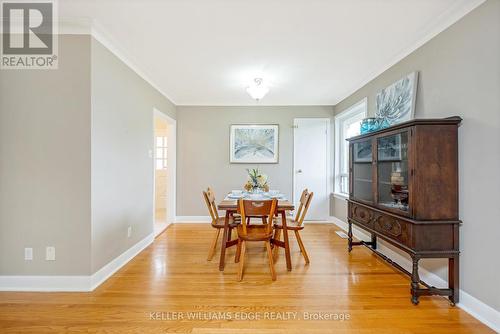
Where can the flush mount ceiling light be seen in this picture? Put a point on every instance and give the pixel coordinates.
(258, 89)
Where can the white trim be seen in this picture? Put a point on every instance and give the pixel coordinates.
(340, 196)
(479, 310)
(328, 221)
(44, 283)
(360, 107)
(207, 219)
(112, 267)
(441, 23)
(193, 219)
(458, 10)
(83, 26)
(171, 165)
(73, 283)
(101, 35)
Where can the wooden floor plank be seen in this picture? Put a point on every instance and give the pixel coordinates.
(172, 278)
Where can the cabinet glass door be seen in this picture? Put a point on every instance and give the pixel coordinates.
(392, 171)
(362, 170)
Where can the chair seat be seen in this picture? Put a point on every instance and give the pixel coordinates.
(291, 224)
(219, 223)
(254, 233)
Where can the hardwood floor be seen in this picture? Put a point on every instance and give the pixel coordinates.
(171, 278)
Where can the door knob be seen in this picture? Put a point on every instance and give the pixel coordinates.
(299, 171)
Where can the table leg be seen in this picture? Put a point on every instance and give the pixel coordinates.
(224, 240)
(287, 243)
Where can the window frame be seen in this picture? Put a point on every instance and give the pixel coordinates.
(164, 148)
(354, 113)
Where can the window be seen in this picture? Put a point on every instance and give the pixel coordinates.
(347, 124)
(161, 152)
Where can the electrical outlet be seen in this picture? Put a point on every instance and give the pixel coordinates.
(28, 254)
(129, 231)
(50, 253)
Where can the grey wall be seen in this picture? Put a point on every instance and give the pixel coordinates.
(203, 150)
(45, 164)
(459, 74)
(75, 170)
(122, 170)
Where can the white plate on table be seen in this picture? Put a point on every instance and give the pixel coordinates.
(235, 196)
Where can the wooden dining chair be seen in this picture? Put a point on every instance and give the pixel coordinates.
(296, 224)
(251, 233)
(217, 222)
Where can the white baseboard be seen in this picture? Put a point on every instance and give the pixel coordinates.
(73, 283)
(479, 310)
(109, 269)
(208, 219)
(44, 283)
(193, 219)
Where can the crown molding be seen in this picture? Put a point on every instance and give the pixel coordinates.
(96, 30)
(440, 24)
(85, 26)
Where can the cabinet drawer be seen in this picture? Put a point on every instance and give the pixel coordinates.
(393, 228)
(361, 214)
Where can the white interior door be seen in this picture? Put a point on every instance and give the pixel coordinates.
(311, 163)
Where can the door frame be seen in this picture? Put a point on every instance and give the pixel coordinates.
(171, 166)
(328, 153)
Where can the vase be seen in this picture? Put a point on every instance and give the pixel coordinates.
(368, 125)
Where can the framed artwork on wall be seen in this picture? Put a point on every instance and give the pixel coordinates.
(254, 143)
(396, 103)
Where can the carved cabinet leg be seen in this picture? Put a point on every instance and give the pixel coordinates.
(349, 237)
(453, 275)
(374, 241)
(414, 281)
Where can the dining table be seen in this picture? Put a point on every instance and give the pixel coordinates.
(230, 206)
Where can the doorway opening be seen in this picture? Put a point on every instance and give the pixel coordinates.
(164, 171)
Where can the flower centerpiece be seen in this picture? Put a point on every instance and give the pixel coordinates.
(256, 181)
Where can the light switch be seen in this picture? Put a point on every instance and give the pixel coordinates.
(50, 253)
(28, 254)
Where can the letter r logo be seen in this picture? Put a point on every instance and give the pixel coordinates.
(27, 28)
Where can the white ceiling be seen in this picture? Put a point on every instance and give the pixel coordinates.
(311, 52)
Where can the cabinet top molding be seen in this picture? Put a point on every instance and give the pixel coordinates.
(453, 120)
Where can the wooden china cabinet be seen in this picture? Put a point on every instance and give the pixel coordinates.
(404, 189)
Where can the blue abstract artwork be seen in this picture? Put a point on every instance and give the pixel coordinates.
(396, 103)
(254, 144)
